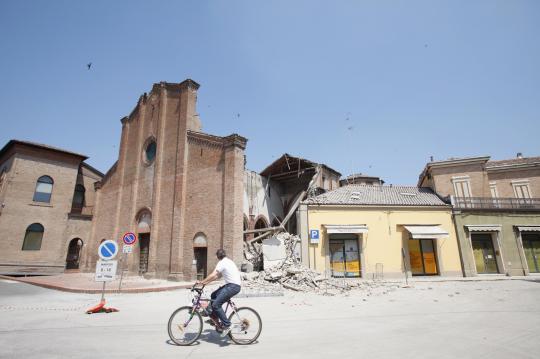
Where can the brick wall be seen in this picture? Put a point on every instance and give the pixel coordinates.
(443, 185)
(20, 211)
(503, 181)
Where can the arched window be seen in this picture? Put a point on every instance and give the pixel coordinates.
(144, 220)
(44, 188)
(261, 224)
(74, 253)
(33, 237)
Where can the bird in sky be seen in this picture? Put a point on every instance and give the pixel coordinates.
(238, 115)
(89, 65)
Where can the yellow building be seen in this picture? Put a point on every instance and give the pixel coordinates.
(379, 231)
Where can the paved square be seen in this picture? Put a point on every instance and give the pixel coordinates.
(490, 319)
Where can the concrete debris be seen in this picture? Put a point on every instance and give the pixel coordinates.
(289, 273)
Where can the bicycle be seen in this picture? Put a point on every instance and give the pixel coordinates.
(186, 323)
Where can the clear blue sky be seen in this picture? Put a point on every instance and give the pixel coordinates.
(363, 86)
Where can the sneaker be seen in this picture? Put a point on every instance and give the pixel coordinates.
(226, 331)
(205, 312)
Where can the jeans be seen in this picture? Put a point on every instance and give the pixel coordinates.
(221, 296)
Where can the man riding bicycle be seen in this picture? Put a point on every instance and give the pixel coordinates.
(227, 270)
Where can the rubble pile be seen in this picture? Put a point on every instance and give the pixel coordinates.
(291, 274)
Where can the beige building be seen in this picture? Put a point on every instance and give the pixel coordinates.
(47, 201)
(379, 232)
(496, 211)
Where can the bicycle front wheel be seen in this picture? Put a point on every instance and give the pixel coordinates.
(185, 326)
(246, 326)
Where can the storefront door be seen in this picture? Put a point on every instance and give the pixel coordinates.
(422, 257)
(484, 253)
(531, 246)
(345, 256)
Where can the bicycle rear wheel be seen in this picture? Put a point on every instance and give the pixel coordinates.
(185, 326)
(246, 326)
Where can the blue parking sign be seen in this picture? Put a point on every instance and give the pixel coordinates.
(314, 235)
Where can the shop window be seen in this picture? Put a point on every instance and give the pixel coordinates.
(43, 190)
(33, 237)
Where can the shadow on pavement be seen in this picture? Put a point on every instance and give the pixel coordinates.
(170, 342)
(208, 335)
(214, 337)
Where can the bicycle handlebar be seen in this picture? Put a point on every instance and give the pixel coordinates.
(195, 289)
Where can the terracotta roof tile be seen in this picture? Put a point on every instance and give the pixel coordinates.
(379, 195)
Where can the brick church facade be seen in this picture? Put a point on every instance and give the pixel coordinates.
(180, 190)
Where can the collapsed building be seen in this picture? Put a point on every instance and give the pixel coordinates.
(272, 199)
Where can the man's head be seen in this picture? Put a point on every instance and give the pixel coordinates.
(221, 254)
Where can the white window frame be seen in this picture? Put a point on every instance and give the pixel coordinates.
(520, 183)
(493, 189)
(459, 180)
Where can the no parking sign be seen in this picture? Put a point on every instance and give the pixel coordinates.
(129, 238)
(107, 250)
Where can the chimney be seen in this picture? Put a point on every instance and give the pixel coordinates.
(519, 155)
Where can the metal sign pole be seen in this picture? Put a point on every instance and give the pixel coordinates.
(103, 292)
(122, 271)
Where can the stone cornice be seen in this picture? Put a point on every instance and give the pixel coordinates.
(205, 139)
(458, 162)
(235, 140)
(513, 167)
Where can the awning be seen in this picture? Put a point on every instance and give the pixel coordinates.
(528, 228)
(484, 228)
(419, 232)
(346, 228)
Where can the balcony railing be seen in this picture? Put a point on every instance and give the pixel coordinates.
(478, 203)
